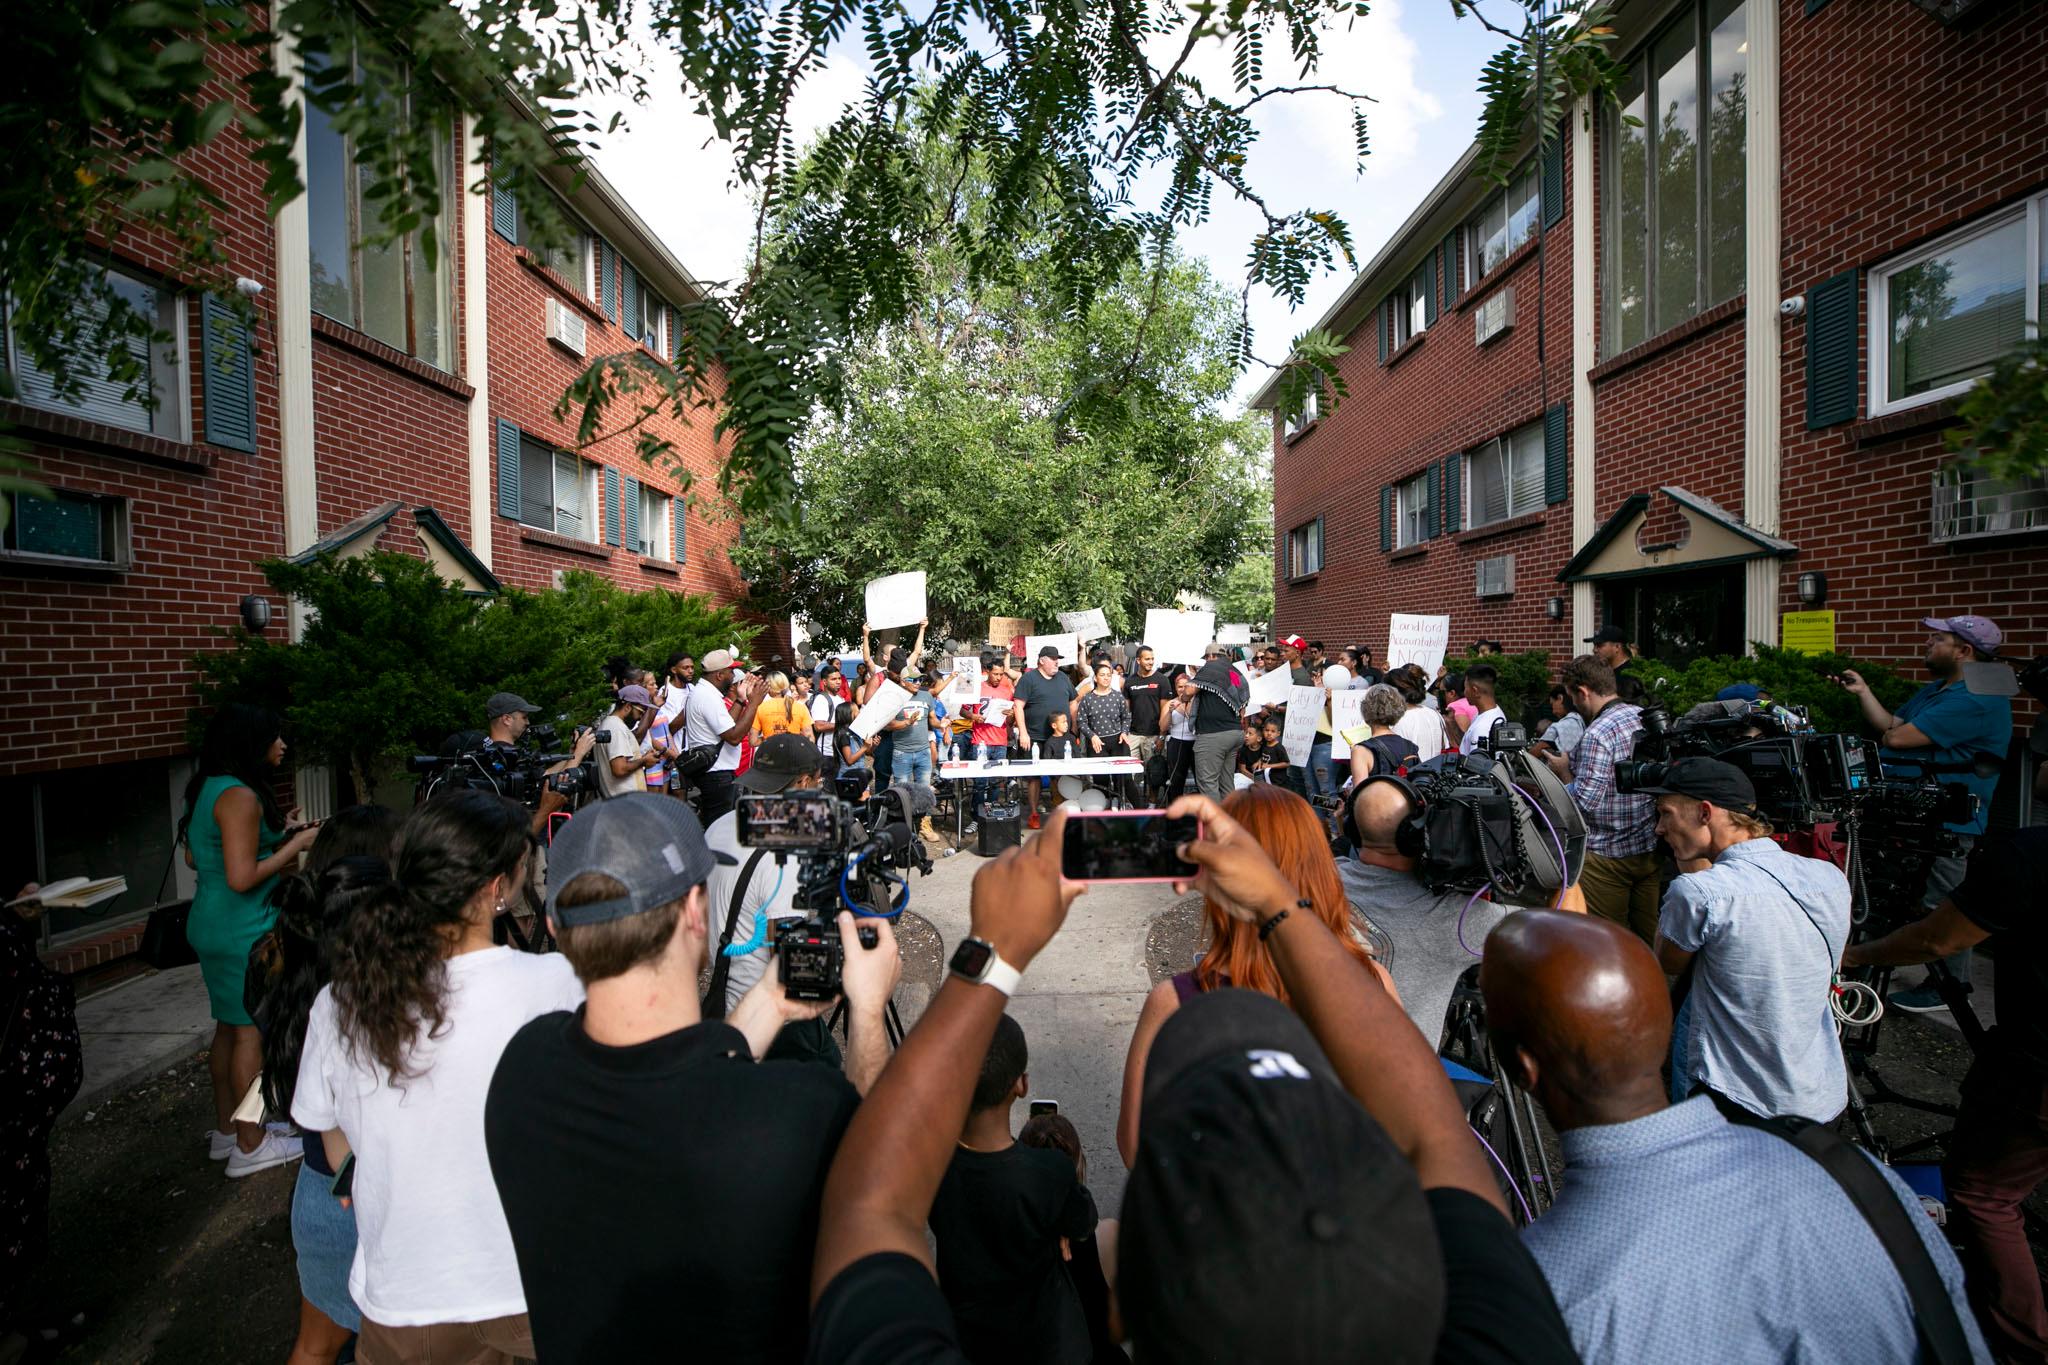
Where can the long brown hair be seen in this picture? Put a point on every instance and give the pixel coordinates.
(1287, 828)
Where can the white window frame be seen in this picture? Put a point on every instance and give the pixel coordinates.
(1509, 443)
(1411, 500)
(1531, 171)
(1311, 412)
(115, 537)
(1878, 330)
(1300, 541)
(171, 416)
(1411, 307)
(586, 473)
(654, 528)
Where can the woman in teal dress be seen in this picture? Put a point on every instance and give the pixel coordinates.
(238, 841)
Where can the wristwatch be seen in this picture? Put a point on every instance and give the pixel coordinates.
(977, 961)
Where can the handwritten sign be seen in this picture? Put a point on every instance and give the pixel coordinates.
(1086, 625)
(1347, 712)
(1005, 632)
(1304, 709)
(1179, 637)
(1229, 634)
(1808, 632)
(897, 600)
(1067, 645)
(1421, 640)
(1270, 689)
(889, 699)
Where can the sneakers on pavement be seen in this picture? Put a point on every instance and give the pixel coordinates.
(219, 1145)
(1919, 1000)
(276, 1149)
(1033, 822)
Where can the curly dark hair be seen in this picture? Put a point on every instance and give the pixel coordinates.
(350, 857)
(390, 964)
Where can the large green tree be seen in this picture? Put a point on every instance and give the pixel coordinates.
(1093, 133)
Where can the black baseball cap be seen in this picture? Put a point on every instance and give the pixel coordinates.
(1707, 779)
(1266, 1206)
(1049, 652)
(652, 845)
(899, 659)
(781, 760)
(506, 703)
(1608, 635)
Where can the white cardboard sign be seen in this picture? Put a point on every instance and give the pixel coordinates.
(889, 699)
(1086, 625)
(1270, 689)
(1347, 709)
(1421, 640)
(1304, 709)
(1179, 637)
(897, 600)
(1228, 634)
(1067, 645)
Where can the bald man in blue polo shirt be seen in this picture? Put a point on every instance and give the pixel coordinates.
(1938, 733)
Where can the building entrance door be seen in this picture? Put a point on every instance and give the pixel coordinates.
(1679, 616)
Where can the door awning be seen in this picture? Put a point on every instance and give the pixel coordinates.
(439, 545)
(1712, 536)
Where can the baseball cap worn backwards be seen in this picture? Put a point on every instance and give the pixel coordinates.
(651, 845)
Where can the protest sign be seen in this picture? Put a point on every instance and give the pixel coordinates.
(1004, 632)
(889, 699)
(1304, 708)
(965, 682)
(1067, 645)
(1347, 710)
(1086, 625)
(1179, 637)
(1420, 640)
(1233, 634)
(897, 600)
(1270, 689)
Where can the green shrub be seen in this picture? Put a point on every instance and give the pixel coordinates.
(1524, 684)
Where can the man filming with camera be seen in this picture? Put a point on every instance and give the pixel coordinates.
(508, 715)
(623, 768)
(1761, 930)
(1942, 732)
(1621, 872)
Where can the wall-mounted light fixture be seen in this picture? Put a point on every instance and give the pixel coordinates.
(1554, 609)
(255, 614)
(1813, 588)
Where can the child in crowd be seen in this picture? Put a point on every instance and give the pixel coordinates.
(1000, 1217)
(1249, 753)
(1274, 765)
(1060, 744)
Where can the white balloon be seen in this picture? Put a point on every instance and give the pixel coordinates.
(1094, 799)
(1070, 787)
(1070, 807)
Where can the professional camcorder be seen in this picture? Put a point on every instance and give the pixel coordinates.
(850, 855)
(469, 760)
(1497, 819)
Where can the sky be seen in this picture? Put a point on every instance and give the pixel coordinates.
(1419, 62)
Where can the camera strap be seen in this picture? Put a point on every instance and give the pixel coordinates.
(1934, 1312)
(721, 965)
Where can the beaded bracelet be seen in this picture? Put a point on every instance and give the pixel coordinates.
(1266, 927)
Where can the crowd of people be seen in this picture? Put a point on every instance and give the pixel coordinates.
(642, 1147)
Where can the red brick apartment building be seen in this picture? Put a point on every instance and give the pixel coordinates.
(382, 403)
(1758, 308)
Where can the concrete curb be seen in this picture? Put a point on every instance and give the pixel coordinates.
(139, 1029)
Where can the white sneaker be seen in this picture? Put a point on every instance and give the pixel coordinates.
(219, 1145)
(275, 1150)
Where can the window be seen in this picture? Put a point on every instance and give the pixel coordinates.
(1673, 221)
(1940, 317)
(1508, 220)
(647, 326)
(1411, 509)
(1504, 477)
(1305, 549)
(149, 397)
(81, 527)
(557, 491)
(1414, 303)
(388, 292)
(1311, 410)
(654, 542)
(572, 261)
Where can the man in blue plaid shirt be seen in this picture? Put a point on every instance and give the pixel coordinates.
(1621, 874)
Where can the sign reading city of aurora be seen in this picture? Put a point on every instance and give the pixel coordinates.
(1179, 637)
(1420, 640)
(897, 600)
(1304, 709)
(1086, 625)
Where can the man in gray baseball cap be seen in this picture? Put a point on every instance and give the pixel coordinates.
(620, 1135)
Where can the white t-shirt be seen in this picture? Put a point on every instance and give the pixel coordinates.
(709, 720)
(823, 707)
(672, 699)
(622, 744)
(1424, 729)
(724, 837)
(431, 1240)
(1480, 728)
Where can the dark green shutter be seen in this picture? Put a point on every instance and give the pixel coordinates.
(608, 280)
(1450, 250)
(1814, 6)
(1379, 324)
(1430, 504)
(1454, 512)
(1831, 362)
(1386, 518)
(675, 335)
(1553, 179)
(675, 523)
(630, 288)
(504, 213)
(1557, 455)
(1429, 293)
(633, 513)
(611, 507)
(508, 470)
(228, 376)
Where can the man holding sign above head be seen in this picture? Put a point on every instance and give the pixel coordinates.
(1040, 694)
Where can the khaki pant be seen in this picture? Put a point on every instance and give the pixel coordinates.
(496, 1341)
(1624, 890)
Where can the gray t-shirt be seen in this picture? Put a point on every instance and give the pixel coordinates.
(916, 737)
(1769, 927)
(1423, 929)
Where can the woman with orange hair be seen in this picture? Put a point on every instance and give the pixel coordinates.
(1292, 835)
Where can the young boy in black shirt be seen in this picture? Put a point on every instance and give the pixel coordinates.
(999, 1215)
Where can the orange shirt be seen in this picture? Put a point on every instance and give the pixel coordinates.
(782, 715)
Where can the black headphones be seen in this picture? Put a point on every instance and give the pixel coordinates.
(1407, 835)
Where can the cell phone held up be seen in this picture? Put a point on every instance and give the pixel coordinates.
(1127, 846)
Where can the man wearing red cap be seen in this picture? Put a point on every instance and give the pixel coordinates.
(1291, 647)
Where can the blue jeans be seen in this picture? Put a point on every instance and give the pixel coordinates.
(1319, 769)
(324, 1237)
(913, 766)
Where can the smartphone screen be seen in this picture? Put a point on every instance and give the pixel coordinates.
(1044, 1107)
(1126, 846)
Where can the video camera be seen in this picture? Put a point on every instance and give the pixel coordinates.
(469, 760)
(1497, 819)
(855, 855)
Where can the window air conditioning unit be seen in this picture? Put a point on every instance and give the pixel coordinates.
(1495, 577)
(565, 326)
(1495, 316)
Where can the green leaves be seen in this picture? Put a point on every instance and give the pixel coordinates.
(2004, 428)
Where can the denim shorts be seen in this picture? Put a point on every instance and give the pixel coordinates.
(324, 1235)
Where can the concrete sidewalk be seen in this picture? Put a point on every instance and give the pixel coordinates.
(138, 1028)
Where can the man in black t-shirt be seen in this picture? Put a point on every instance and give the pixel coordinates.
(661, 1187)
(1998, 1153)
(1040, 693)
(1270, 1214)
(1148, 689)
(999, 1216)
